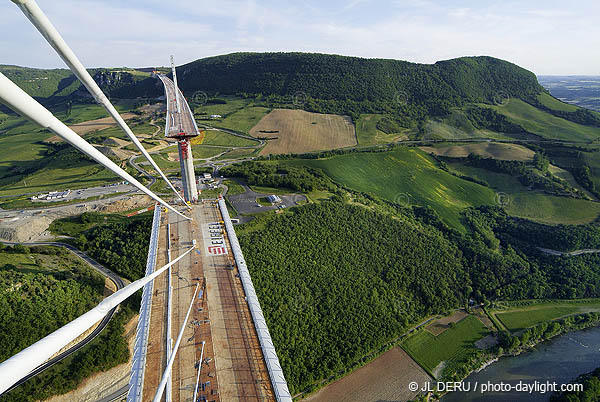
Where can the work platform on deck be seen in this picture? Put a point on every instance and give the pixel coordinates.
(233, 367)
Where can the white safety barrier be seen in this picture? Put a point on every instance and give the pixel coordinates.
(21, 364)
(136, 380)
(37, 17)
(280, 387)
(19, 101)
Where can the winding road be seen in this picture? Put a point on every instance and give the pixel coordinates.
(568, 253)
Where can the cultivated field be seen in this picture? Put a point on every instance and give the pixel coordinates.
(407, 176)
(552, 209)
(384, 379)
(445, 350)
(98, 124)
(243, 120)
(545, 124)
(484, 149)
(525, 203)
(519, 318)
(299, 131)
(446, 129)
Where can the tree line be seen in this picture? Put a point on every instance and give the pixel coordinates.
(299, 178)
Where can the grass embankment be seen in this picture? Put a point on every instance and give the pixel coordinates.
(240, 153)
(211, 193)
(233, 187)
(452, 346)
(201, 152)
(263, 201)
(408, 176)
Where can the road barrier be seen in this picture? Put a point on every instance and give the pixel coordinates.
(280, 387)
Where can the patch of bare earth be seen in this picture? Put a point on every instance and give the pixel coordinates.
(114, 153)
(115, 142)
(442, 324)
(439, 369)
(484, 149)
(296, 131)
(384, 379)
(92, 125)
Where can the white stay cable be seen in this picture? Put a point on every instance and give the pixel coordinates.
(37, 17)
(19, 101)
(21, 364)
(167, 373)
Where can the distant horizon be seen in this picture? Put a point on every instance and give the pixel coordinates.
(556, 39)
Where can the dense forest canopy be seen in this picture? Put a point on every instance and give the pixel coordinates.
(366, 276)
(322, 76)
(353, 85)
(337, 281)
(37, 301)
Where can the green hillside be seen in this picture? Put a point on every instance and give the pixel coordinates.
(55, 85)
(352, 85)
(406, 176)
(545, 124)
(520, 201)
(39, 83)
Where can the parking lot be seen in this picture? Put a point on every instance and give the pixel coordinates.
(246, 203)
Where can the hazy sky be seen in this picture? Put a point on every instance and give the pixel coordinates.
(544, 36)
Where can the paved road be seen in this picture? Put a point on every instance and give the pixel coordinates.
(569, 253)
(181, 120)
(117, 280)
(137, 167)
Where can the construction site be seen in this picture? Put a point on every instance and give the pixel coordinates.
(219, 341)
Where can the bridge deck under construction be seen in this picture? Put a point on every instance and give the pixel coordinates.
(233, 367)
